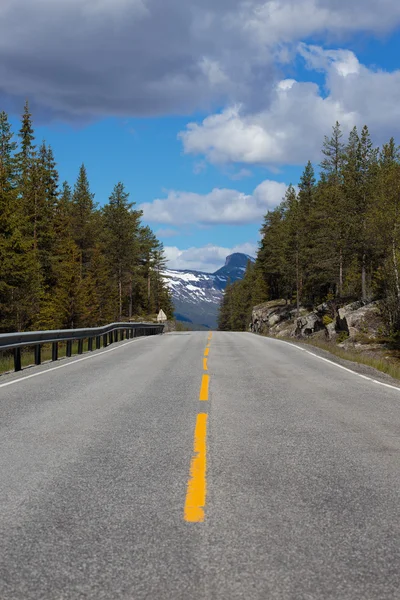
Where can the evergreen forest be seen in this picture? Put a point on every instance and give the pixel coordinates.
(65, 262)
(335, 237)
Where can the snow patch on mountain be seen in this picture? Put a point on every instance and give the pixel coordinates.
(197, 295)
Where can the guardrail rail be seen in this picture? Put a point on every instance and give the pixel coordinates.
(97, 337)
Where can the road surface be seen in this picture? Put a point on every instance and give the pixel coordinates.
(118, 482)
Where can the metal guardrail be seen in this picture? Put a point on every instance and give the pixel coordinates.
(96, 336)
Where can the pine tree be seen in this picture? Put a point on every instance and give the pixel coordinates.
(224, 314)
(271, 254)
(333, 151)
(121, 225)
(84, 219)
(19, 285)
(148, 247)
(294, 239)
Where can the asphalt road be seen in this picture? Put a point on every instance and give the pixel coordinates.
(103, 460)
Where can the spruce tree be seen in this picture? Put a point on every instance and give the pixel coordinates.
(120, 225)
(85, 229)
(224, 314)
(335, 200)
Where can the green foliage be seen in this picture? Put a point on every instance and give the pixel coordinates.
(342, 337)
(239, 298)
(63, 262)
(337, 238)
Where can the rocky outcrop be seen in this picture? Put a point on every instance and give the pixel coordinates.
(309, 324)
(359, 318)
(354, 322)
(270, 315)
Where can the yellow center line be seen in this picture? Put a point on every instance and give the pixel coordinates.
(206, 351)
(204, 387)
(196, 490)
(205, 366)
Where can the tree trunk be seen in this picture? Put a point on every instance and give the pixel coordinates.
(364, 277)
(131, 299)
(364, 267)
(148, 292)
(35, 224)
(396, 268)
(340, 272)
(120, 294)
(297, 284)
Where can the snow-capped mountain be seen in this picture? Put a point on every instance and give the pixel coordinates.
(197, 295)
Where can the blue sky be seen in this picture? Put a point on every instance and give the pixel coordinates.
(206, 112)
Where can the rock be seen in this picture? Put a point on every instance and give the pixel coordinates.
(280, 319)
(309, 324)
(359, 318)
(268, 314)
(331, 332)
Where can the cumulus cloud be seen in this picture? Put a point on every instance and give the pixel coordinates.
(220, 206)
(83, 59)
(166, 233)
(208, 258)
(290, 129)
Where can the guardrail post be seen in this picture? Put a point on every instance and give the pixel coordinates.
(105, 340)
(38, 354)
(80, 346)
(54, 351)
(68, 351)
(115, 335)
(110, 337)
(17, 359)
(98, 342)
(90, 344)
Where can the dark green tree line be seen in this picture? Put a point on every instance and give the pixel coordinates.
(335, 238)
(65, 261)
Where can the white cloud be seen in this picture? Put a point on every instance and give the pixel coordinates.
(290, 129)
(277, 21)
(208, 258)
(344, 62)
(82, 59)
(220, 206)
(166, 233)
(241, 174)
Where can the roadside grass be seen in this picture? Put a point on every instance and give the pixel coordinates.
(390, 365)
(28, 356)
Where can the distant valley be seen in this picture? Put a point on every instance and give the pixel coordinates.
(197, 295)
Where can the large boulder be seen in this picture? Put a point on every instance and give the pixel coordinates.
(359, 318)
(269, 314)
(309, 324)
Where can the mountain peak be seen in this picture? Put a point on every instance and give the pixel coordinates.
(235, 266)
(238, 259)
(197, 295)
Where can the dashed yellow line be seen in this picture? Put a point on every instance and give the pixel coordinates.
(196, 490)
(204, 387)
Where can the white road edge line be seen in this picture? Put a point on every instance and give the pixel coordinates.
(72, 362)
(392, 387)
